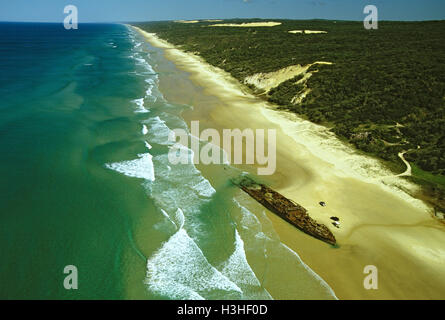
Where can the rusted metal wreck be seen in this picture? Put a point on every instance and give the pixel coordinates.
(286, 209)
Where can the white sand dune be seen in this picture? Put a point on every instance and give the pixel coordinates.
(187, 21)
(268, 81)
(248, 25)
(307, 32)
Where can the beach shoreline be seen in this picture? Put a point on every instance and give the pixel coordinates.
(381, 224)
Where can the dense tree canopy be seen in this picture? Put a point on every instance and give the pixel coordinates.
(384, 92)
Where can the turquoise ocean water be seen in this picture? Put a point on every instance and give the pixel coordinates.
(85, 181)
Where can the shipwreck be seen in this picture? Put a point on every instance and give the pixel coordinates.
(286, 209)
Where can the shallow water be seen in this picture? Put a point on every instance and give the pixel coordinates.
(86, 181)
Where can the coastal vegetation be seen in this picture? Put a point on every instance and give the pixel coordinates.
(384, 92)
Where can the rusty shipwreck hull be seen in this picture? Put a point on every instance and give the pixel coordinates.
(287, 210)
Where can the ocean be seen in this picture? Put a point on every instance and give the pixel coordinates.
(86, 182)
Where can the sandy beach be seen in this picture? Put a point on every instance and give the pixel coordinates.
(381, 224)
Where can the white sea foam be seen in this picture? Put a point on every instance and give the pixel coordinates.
(142, 62)
(140, 106)
(203, 188)
(179, 270)
(180, 186)
(179, 218)
(239, 271)
(144, 129)
(139, 168)
(158, 131)
(149, 91)
(165, 214)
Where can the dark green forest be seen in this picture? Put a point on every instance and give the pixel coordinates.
(384, 92)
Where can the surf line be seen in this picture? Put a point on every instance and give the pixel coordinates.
(212, 153)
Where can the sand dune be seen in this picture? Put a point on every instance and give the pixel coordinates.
(268, 81)
(247, 25)
(307, 32)
(187, 21)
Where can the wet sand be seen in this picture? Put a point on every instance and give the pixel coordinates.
(380, 224)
